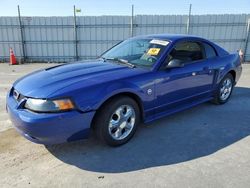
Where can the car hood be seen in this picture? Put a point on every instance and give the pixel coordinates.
(42, 83)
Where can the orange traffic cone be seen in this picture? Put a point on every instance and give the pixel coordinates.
(12, 57)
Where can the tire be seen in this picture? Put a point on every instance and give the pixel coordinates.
(219, 99)
(116, 122)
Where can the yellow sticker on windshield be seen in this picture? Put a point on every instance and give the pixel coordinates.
(153, 51)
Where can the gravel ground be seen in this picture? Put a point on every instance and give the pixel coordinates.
(206, 146)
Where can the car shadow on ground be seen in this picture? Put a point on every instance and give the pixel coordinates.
(185, 136)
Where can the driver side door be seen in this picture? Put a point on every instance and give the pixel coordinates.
(180, 87)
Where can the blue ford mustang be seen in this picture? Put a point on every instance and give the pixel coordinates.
(138, 80)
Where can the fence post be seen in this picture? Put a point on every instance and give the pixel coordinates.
(189, 18)
(247, 38)
(22, 36)
(75, 35)
(132, 22)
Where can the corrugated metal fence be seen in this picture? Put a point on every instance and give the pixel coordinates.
(53, 38)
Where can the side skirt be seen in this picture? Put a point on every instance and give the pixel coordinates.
(177, 109)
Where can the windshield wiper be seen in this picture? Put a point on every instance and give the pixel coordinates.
(119, 60)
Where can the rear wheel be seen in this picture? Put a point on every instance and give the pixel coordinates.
(224, 90)
(117, 120)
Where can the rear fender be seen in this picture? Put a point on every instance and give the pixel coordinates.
(227, 64)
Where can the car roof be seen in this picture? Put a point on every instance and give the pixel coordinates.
(176, 37)
(170, 37)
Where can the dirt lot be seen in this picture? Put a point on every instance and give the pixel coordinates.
(206, 146)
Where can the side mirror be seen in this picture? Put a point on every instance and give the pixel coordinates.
(175, 63)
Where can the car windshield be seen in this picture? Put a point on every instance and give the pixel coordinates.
(137, 52)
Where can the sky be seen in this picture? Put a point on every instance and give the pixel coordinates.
(121, 7)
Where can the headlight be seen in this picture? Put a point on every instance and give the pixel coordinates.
(41, 105)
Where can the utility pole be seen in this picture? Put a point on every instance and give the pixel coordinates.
(75, 35)
(247, 38)
(22, 34)
(189, 19)
(132, 22)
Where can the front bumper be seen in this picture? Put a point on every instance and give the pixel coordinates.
(49, 128)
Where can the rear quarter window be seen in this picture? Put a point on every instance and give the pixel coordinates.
(209, 50)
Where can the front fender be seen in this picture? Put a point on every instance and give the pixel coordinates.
(118, 88)
(96, 96)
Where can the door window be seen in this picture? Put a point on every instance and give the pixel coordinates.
(187, 52)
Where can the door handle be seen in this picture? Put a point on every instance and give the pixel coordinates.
(207, 70)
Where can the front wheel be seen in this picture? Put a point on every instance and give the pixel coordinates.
(224, 90)
(117, 120)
